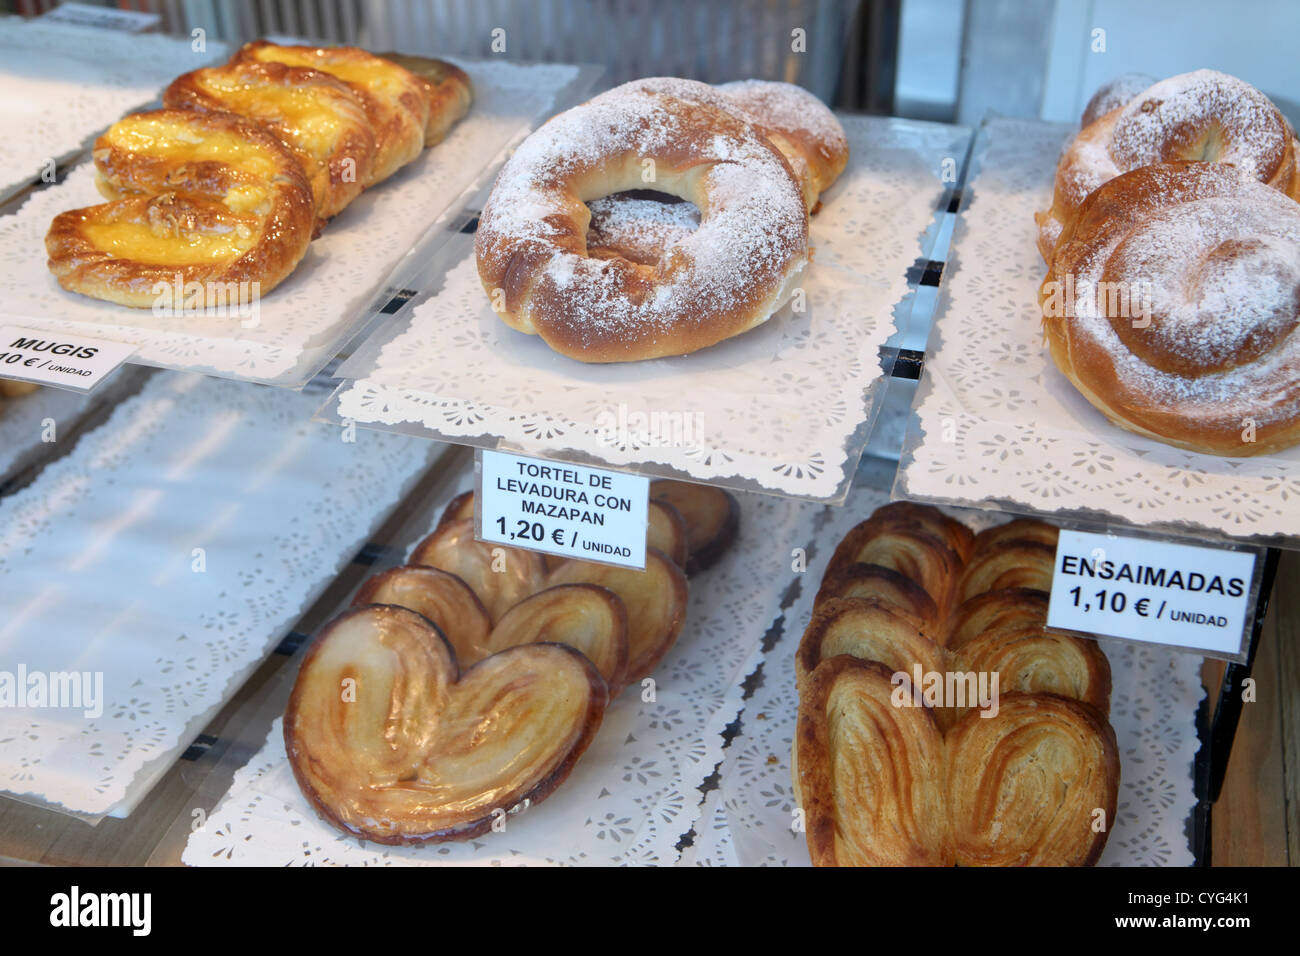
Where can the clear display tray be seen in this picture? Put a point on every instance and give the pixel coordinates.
(996, 424)
(785, 408)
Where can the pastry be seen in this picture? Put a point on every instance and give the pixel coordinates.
(1113, 94)
(441, 597)
(586, 617)
(1036, 785)
(873, 581)
(655, 600)
(500, 576)
(208, 210)
(996, 610)
(1204, 116)
(1017, 529)
(869, 775)
(712, 518)
(666, 530)
(320, 117)
(209, 196)
(1210, 358)
(906, 547)
(1014, 563)
(447, 89)
(729, 275)
(392, 742)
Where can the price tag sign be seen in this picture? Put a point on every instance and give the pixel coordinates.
(567, 510)
(1141, 589)
(64, 361)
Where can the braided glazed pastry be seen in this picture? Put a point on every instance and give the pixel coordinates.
(1205, 116)
(1024, 788)
(1211, 361)
(392, 742)
(727, 276)
(868, 731)
(209, 195)
(214, 199)
(869, 775)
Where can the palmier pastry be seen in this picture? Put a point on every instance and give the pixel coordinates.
(1010, 564)
(905, 546)
(869, 630)
(1035, 785)
(868, 774)
(1036, 661)
(583, 616)
(1205, 116)
(655, 600)
(1006, 608)
(208, 207)
(322, 118)
(666, 531)
(447, 89)
(391, 741)
(1209, 359)
(443, 598)
(882, 584)
(500, 576)
(712, 518)
(726, 277)
(1018, 529)
(395, 100)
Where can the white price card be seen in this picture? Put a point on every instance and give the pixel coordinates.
(563, 509)
(1141, 589)
(64, 361)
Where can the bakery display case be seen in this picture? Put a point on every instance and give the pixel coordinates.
(923, 571)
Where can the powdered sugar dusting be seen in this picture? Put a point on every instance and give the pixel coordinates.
(1113, 94)
(639, 229)
(1216, 259)
(750, 242)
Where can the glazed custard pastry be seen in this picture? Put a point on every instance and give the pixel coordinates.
(212, 193)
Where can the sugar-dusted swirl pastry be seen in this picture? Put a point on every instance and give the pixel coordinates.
(320, 117)
(869, 775)
(1034, 661)
(395, 100)
(1186, 305)
(1034, 786)
(391, 741)
(655, 599)
(1204, 116)
(729, 275)
(210, 207)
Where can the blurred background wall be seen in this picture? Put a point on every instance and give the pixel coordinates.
(949, 60)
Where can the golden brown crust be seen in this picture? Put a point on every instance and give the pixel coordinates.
(441, 597)
(728, 276)
(295, 103)
(996, 610)
(1033, 661)
(1208, 360)
(869, 775)
(1018, 529)
(905, 547)
(883, 584)
(712, 517)
(585, 617)
(500, 576)
(190, 231)
(447, 89)
(655, 600)
(391, 742)
(1012, 563)
(666, 530)
(1037, 785)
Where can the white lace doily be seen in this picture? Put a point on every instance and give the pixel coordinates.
(98, 569)
(777, 407)
(632, 795)
(302, 322)
(23, 420)
(62, 83)
(1003, 427)
(1153, 709)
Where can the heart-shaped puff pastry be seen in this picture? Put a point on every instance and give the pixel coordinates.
(392, 743)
